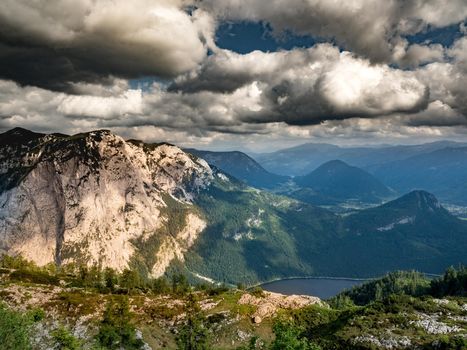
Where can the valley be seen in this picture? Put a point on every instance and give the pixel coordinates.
(157, 209)
(169, 238)
(233, 175)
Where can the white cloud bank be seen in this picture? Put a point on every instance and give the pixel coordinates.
(65, 65)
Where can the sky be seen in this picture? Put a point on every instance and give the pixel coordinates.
(254, 75)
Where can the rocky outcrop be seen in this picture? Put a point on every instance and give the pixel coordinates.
(269, 303)
(432, 325)
(176, 247)
(87, 198)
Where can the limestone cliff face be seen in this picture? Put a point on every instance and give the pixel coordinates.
(87, 198)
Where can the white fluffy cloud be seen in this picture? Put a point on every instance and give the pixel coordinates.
(209, 120)
(447, 80)
(130, 102)
(353, 86)
(306, 86)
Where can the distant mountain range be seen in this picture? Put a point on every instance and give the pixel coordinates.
(95, 198)
(443, 172)
(303, 159)
(336, 181)
(438, 167)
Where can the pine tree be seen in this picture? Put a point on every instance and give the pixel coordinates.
(194, 334)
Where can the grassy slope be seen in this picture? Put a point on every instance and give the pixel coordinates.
(393, 316)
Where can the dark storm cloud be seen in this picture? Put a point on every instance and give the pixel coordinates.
(52, 43)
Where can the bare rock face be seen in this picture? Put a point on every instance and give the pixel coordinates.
(88, 198)
(270, 303)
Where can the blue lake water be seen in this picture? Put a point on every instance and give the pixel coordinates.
(323, 288)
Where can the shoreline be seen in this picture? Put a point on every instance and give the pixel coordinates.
(356, 279)
(311, 277)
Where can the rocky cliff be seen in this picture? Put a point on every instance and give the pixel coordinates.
(95, 198)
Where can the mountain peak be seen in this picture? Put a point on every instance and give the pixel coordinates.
(18, 136)
(423, 199)
(417, 201)
(242, 167)
(19, 131)
(335, 163)
(99, 193)
(340, 181)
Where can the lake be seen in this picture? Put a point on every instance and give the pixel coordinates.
(323, 288)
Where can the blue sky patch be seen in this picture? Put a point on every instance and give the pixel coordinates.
(444, 36)
(244, 37)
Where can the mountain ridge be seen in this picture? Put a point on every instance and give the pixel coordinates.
(96, 199)
(87, 196)
(443, 172)
(302, 159)
(241, 166)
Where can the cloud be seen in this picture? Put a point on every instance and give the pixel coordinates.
(416, 55)
(447, 80)
(307, 86)
(130, 102)
(54, 43)
(372, 29)
(437, 114)
(301, 87)
(208, 119)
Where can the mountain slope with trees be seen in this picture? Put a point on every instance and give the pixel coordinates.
(241, 166)
(97, 199)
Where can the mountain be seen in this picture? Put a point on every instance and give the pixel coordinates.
(336, 181)
(298, 160)
(443, 172)
(287, 238)
(302, 159)
(412, 232)
(96, 199)
(241, 166)
(18, 136)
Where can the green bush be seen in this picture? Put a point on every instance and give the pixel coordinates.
(453, 282)
(194, 334)
(64, 340)
(341, 302)
(180, 284)
(116, 329)
(290, 337)
(110, 278)
(212, 291)
(130, 280)
(255, 343)
(258, 292)
(450, 343)
(36, 314)
(15, 262)
(160, 285)
(14, 330)
(34, 276)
